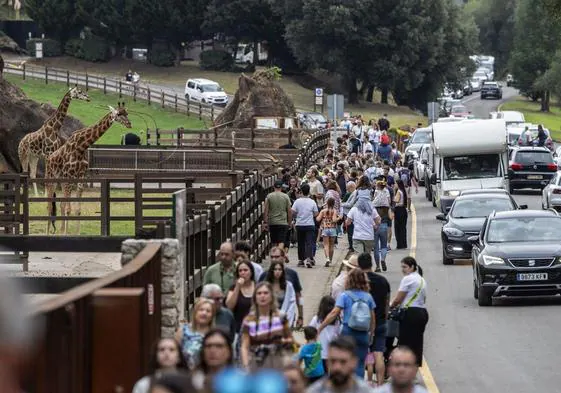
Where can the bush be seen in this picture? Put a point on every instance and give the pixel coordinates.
(216, 60)
(162, 56)
(95, 49)
(74, 47)
(51, 48)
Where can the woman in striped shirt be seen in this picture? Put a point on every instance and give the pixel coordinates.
(265, 331)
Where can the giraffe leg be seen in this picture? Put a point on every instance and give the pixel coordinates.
(78, 209)
(66, 207)
(33, 162)
(51, 206)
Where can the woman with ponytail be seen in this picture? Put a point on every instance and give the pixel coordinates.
(411, 299)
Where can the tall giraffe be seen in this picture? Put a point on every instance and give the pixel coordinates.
(39, 144)
(70, 161)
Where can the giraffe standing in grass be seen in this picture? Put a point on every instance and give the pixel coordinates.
(70, 162)
(39, 144)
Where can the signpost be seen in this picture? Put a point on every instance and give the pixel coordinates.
(433, 111)
(335, 106)
(318, 99)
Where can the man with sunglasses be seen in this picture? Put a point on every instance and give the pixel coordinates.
(224, 319)
(402, 369)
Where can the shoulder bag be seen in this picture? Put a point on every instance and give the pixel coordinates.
(396, 315)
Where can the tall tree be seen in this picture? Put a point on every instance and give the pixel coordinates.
(56, 17)
(534, 45)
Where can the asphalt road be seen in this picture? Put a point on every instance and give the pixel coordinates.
(481, 108)
(510, 347)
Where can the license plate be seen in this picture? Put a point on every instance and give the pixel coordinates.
(532, 276)
(535, 177)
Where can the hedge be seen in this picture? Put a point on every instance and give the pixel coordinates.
(92, 48)
(216, 60)
(161, 55)
(51, 48)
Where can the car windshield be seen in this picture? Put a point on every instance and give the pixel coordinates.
(532, 157)
(211, 88)
(471, 167)
(316, 117)
(470, 208)
(421, 137)
(459, 109)
(490, 85)
(525, 229)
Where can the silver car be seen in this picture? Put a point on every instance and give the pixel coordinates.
(551, 194)
(421, 163)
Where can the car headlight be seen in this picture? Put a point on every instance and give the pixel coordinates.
(451, 193)
(455, 232)
(489, 260)
(557, 261)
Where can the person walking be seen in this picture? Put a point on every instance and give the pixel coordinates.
(277, 215)
(190, 336)
(402, 370)
(240, 295)
(400, 228)
(338, 285)
(384, 123)
(265, 332)
(342, 362)
(364, 217)
(295, 378)
(347, 203)
(411, 299)
(328, 218)
(330, 332)
(283, 291)
(242, 249)
(223, 316)
(166, 357)
(380, 292)
(359, 319)
(305, 210)
(382, 201)
(222, 272)
(216, 355)
(310, 355)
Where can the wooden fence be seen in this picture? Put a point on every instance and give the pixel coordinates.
(97, 336)
(142, 92)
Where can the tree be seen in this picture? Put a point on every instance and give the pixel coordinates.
(533, 48)
(56, 17)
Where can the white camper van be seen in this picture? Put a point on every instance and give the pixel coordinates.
(467, 155)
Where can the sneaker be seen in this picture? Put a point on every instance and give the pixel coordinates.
(384, 266)
(301, 264)
(389, 247)
(328, 263)
(308, 264)
(377, 270)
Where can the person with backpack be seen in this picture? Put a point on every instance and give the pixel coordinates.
(359, 318)
(385, 149)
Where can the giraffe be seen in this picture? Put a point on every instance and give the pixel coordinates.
(39, 144)
(70, 161)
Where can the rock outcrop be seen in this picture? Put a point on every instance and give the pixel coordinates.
(257, 95)
(19, 116)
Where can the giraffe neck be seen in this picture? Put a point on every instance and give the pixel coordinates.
(93, 133)
(55, 121)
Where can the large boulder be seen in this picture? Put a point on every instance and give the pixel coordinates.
(257, 95)
(19, 116)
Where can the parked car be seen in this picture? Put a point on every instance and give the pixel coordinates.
(205, 91)
(421, 163)
(459, 111)
(509, 80)
(481, 75)
(491, 89)
(517, 253)
(530, 167)
(312, 120)
(465, 219)
(420, 137)
(475, 84)
(551, 194)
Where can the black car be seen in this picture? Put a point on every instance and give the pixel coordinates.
(517, 253)
(465, 218)
(530, 167)
(491, 89)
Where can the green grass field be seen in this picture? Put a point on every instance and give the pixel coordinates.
(531, 110)
(90, 112)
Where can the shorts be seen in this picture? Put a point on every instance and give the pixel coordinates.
(278, 233)
(379, 343)
(329, 232)
(370, 360)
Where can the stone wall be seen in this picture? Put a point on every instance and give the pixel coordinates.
(173, 287)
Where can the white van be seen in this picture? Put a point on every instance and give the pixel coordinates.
(467, 155)
(205, 91)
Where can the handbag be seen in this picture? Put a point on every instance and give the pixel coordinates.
(396, 315)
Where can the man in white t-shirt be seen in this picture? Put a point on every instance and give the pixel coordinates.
(374, 138)
(305, 210)
(364, 218)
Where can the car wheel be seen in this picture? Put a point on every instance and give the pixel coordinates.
(510, 190)
(187, 97)
(475, 290)
(483, 299)
(445, 260)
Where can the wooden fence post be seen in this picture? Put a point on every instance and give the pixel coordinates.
(23, 71)
(163, 99)
(87, 87)
(149, 96)
(105, 206)
(134, 94)
(212, 112)
(67, 78)
(215, 137)
(252, 138)
(176, 102)
(120, 89)
(188, 105)
(104, 85)
(157, 136)
(179, 136)
(200, 110)
(137, 202)
(46, 75)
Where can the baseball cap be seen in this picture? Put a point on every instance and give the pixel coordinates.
(278, 183)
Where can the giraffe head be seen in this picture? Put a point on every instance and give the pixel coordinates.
(77, 94)
(120, 115)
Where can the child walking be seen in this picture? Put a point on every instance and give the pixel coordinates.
(326, 304)
(310, 354)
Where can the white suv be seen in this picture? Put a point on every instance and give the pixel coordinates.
(205, 91)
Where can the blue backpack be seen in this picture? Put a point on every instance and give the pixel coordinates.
(360, 314)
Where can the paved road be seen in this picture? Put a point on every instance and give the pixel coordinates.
(511, 347)
(481, 108)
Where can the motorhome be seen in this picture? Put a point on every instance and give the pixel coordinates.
(467, 155)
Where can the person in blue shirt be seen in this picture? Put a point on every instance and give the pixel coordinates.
(357, 289)
(310, 354)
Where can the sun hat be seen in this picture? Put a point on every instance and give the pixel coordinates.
(349, 262)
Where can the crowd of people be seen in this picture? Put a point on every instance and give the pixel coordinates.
(243, 323)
